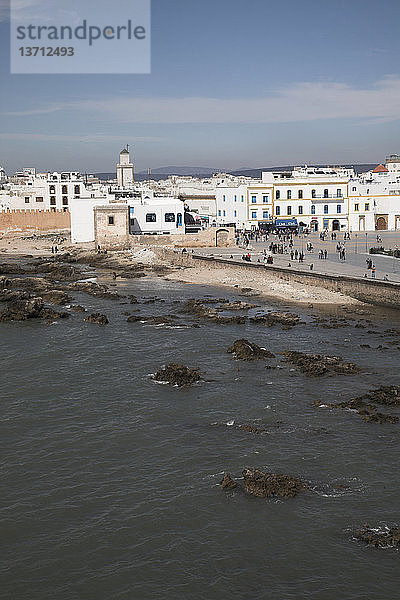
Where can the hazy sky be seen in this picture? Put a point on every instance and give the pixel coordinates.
(233, 84)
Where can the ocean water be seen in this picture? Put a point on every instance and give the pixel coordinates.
(110, 481)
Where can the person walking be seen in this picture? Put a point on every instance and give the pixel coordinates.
(325, 254)
(373, 272)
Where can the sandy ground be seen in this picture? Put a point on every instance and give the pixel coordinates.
(271, 288)
(227, 278)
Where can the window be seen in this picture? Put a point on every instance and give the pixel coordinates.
(265, 199)
(289, 210)
(39, 199)
(265, 214)
(277, 194)
(77, 190)
(300, 210)
(300, 194)
(151, 217)
(111, 220)
(289, 194)
(235, 213)
(224, 198)
(338, 208)
(313, 194)
(179, 219)
(224, 214)
(356, 207)
(26, 199)
(52, 200)
(64, 189)
(367, 206)
(354, 189)
(235, 198)
(254, 214)
(52, 189)
(65, 200)
(326, 209)
(242, 198)
(278, 211)
(339, 193)
(326, 193)
(254, 199)
(169, 217)
(326, 223)
(313, 209)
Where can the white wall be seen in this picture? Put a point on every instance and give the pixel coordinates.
(82, 218)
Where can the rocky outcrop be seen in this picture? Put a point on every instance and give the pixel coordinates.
(23, 309)
(285, 319)
(245, 350)
(388, 395)
(378, 537)
(365, 405)
(317, 365)
(179, 375)
(153, 320)
(55, 297)
(97, 318)
(265, 485)
(227, 482)
(93, 289)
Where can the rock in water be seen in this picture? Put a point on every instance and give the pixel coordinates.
(286, 319)
(265, 485)
(97, 318)
(388, 395)
(245, 350)
(316, 365)
(22, 310)
(227, 482)
(176, 374)
(380, 538)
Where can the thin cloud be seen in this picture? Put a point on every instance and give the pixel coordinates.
(42, 137)
(300, 102)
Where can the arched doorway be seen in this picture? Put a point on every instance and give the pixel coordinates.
(335, 225)
(221, 237)
(381, 223)
(314, 225)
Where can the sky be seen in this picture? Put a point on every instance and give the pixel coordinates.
(232, 85)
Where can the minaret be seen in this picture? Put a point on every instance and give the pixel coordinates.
(125, 169)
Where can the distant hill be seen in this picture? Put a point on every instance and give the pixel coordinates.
(180, 171)
(165, 172)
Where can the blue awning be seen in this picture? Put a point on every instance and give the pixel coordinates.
(286, 223)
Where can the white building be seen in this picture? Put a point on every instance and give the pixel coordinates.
(320, 198)
(151, 214)
(148, 214)
(29, 190)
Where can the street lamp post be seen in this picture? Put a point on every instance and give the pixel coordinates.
(366, 242)
(356, 244)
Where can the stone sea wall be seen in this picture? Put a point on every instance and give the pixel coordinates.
(380, 293)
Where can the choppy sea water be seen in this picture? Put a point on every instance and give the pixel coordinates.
(110, 481)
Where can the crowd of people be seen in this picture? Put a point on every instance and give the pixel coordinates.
(282, 243)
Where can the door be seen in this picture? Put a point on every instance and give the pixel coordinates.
(381, 223)
(361, 224)
(335, 225)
